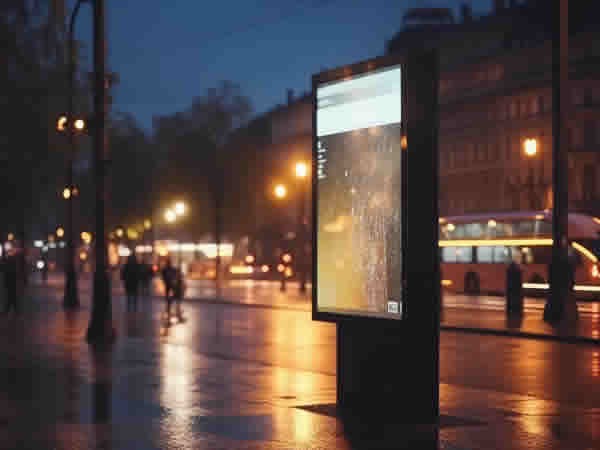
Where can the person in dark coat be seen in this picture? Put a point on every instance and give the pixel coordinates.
(131, 279)
(514, 289)
(146, 279)
(169, 277)
(11, 275)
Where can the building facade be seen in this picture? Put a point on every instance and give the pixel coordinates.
(495, 93)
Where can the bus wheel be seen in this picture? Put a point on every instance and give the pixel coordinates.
(472, 286)
(537, 278)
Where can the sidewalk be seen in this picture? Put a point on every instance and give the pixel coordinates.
(172, 385)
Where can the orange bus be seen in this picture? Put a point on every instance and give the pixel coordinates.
(475, 251)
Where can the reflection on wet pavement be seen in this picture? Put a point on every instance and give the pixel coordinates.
(224, 376)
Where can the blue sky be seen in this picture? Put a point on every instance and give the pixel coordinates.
(168, 51)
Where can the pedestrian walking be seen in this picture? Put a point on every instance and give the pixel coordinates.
(11, 281)
(130, 275)
(146, 279)
(179, 290)
(169, 277)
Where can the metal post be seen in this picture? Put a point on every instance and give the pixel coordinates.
(71, 296)
(100, 329)
(301, 236)
(560, 303)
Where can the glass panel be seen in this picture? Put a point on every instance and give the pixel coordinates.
(464, 254)
(501, 254)
(485, 254)
(448, 254)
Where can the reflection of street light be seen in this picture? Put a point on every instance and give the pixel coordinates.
(280, 191)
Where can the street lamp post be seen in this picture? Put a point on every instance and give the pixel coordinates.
(301, 176)
(560, 303)
(71, 296)
(100, 328)
(280, 192)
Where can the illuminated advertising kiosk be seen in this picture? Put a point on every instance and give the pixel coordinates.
(375, 230)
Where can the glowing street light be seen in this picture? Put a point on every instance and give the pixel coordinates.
(79, 124)
(86, 237)
(66, 193)
(530, 147)
(280, 191)
(61, 123)
(301, 169)
(119, 232)
(170, 216)
(60, 232)
(147, 224)
(180, 208)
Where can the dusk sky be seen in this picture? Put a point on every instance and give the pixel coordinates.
(167, 52)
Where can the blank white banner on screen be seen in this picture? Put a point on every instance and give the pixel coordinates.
(363, 102)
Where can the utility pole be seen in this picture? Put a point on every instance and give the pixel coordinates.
(101, 328)
(560, 303)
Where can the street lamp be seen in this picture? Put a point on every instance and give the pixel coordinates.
(280, 191)
(530, 149)
(170, 216)
(180, 208)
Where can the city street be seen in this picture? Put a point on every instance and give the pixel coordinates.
(235, 376)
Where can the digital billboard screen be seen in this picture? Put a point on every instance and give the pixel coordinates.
(358, 195)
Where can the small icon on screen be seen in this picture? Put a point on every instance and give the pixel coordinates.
(394, 307)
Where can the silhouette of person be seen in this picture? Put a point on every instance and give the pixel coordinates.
(145, 279)
(130, 275)
(514, 289)
(179, 289)
(11, 275)
(169, 277)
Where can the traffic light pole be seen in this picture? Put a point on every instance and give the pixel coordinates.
(101, 328)
(561, 303)
(71, 297)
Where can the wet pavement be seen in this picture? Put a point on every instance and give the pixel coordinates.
(233, 376)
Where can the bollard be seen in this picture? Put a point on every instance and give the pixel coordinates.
(514, 290)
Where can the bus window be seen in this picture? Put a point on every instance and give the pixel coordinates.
(457, 254)
(502, 254)
(448, 254)
(485, 254)
(474, 230)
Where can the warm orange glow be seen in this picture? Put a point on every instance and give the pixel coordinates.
(66, 193)
(280, 268)
(86, 237)
(264, 268)
(170, 216)
(530, 147)
(492, 223)
(286, 258)
(595, 272)
(147, 224)
(119, 232)
(288, 272)
(83, 256)
(450, 227)
(60, 232)
(79, 124)
(61, 123)
(301, 169)
(403, 142)
(249, 259)
(597, 220)
(241, 270)
(492, 242)
(447, 283)
(11, 236)
(280, 191)
(132, 234)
